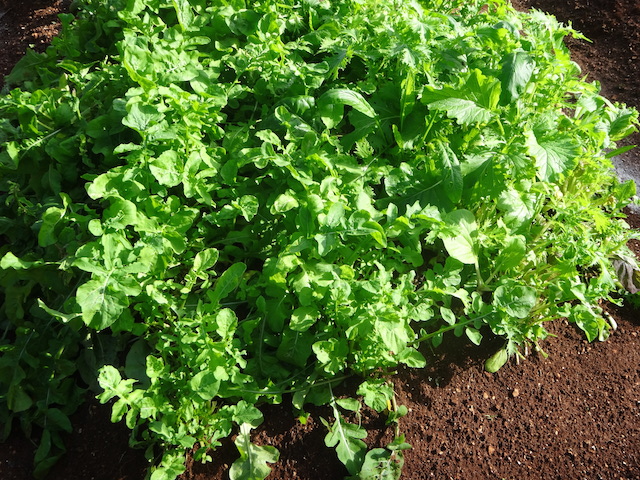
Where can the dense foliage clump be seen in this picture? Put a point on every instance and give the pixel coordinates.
(209, 205)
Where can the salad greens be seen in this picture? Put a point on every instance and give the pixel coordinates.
(206, 206)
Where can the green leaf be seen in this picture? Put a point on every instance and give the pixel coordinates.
(284, 203)
(246, 413)
(228, 282)
(465, 112)
(517, 300)
(554, 155)
(121, 212)
(64, 317)
(10, 261)
(496, 361)
(254, 460)
(381, 464)
(452, 172)
(205, 384)
(50, 218)
(517, 68)
(474, 335)
(377, 394)
(171, 466)
(331, 105)
(101, 301)
(463, 244)
(346, 439)
(141, 117)
(303, 318)
(167, 168)
(332, 354)
(17, 399)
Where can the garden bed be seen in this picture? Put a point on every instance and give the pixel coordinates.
(573, 415)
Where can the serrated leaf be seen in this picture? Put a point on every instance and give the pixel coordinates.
(465, 112)
(554, 155)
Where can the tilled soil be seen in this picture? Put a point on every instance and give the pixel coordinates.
(573, 415)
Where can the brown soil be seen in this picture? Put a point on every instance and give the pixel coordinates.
(574, 415)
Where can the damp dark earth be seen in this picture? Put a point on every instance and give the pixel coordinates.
(572, 414)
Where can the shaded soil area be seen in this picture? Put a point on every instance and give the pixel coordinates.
(573, 415)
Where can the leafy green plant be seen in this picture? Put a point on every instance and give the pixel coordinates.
(216, 205)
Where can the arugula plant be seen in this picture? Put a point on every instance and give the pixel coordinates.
(206, 206)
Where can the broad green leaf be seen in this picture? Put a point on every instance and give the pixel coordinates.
(519, 207)
(496, 361)
(9, 260)
(101, 301)
(205, 384)
(350, 404)
(50, 218)
(141, 117)
(412, 358)
(303, 318)
(332, 354)
(381, 464)
(590, 322)
(284, 203)
(335, 215)
(474, 335)
(452, 172)
(17, 399)
(554, 155)
(226, 323)
(512, 254)
(254, 460)
(121, 212)
(517, 68)
(56, 417)
(463, 245)
(331, 105)
(184, 13)
(377, 394)
(248, 205)
(517, 300)
(295, 346)
(465, 112)
(167, 168)
(228, 282)
(247, 413)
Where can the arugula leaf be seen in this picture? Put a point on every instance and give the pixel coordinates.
(252, 464)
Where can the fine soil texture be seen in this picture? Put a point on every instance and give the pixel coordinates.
(574, 414)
